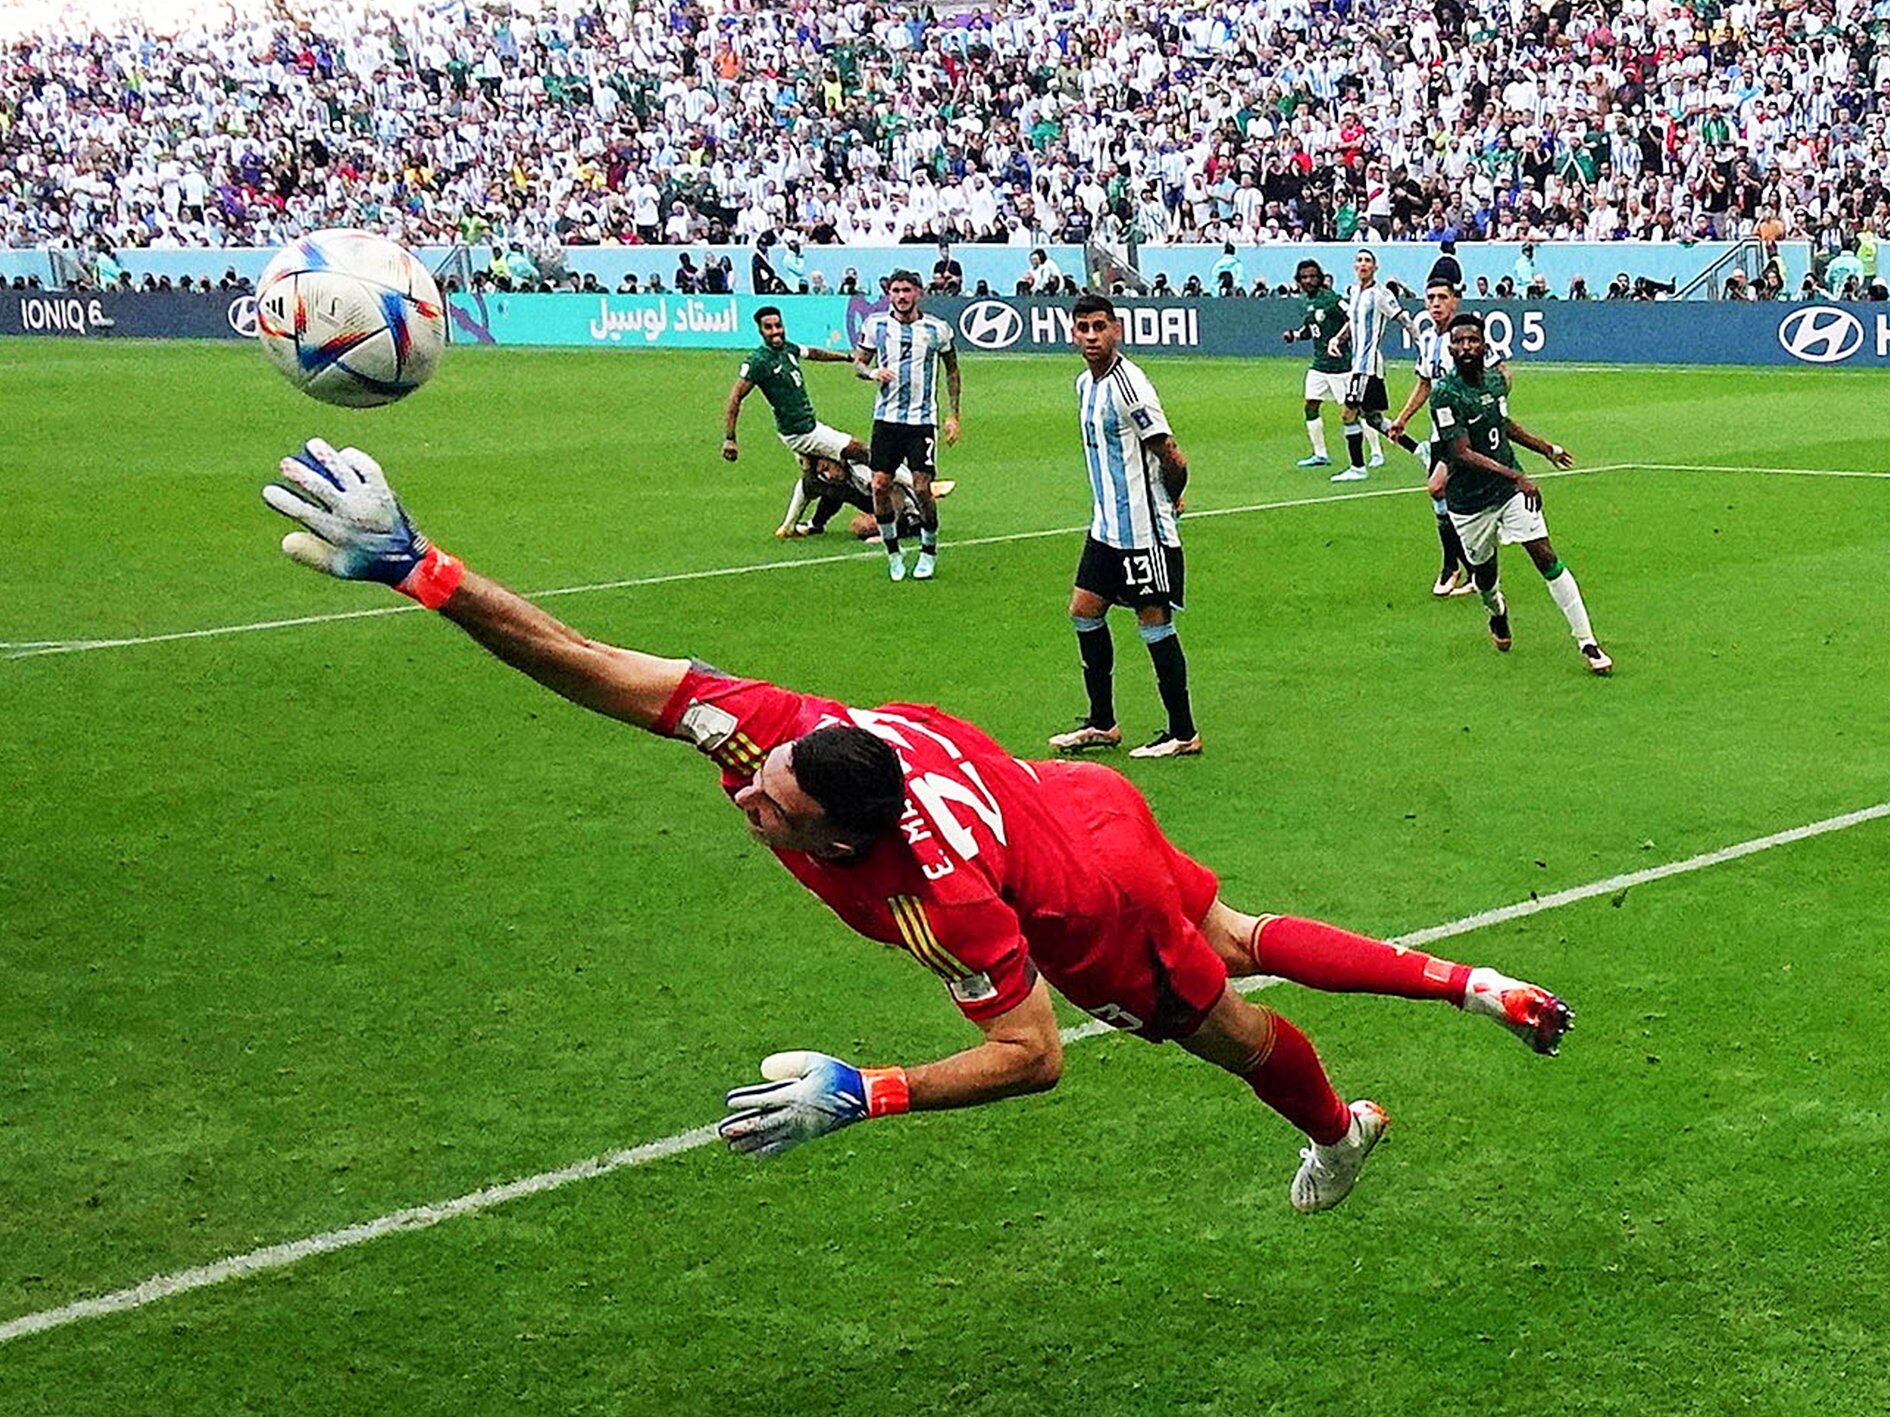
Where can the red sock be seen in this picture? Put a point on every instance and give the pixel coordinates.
(1288, 1077)
(1325, 957)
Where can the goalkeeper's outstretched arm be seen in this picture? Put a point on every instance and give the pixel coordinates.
(354, 527)
(619, 683)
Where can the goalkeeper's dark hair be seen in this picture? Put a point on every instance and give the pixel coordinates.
(854, 776)
(764, 312)
(1093, 304)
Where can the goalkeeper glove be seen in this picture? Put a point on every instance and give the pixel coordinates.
(356, 528)
(807, 1095)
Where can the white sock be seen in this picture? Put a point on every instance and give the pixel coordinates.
(1316, 430)
(1483, 992)
(795, 503)
(1372, 441)
(1568, 595)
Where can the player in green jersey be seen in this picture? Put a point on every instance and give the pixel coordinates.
(1491, 501)
(1321, 321)
(775, 368)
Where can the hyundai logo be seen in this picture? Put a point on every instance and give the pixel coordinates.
(991, 324)
(242, 316)
(1822, 334)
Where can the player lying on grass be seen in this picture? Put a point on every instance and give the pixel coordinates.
(831, 486)
(1003, 877)
(1491, 501)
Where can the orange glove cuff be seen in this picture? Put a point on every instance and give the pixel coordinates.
(433, 581)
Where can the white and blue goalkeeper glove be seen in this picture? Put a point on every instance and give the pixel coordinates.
(356, 528)
(807, 1095)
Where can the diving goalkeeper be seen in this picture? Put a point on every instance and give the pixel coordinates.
(1002, 877)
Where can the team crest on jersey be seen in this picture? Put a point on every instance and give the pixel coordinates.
(975, 989)
(705, 725)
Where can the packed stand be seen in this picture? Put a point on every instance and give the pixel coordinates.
(1023, 123)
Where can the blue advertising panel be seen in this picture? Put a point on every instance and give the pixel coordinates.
(161, 314)
(1586, 332)
(645, 321)
(1825, 335)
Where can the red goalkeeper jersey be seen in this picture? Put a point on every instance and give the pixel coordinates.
(998, 867)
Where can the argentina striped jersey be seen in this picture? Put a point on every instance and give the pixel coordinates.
(1118, 413)
(1368, 311)
(1433, 353)
(912, 351)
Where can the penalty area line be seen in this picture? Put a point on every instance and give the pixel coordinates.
(422, 1217)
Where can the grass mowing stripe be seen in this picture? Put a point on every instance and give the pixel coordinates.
(39, 648)
(166, 1286)
(33, 649)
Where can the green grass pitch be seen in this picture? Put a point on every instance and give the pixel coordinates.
(302, 926)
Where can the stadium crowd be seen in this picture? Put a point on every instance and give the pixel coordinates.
(1024, 121)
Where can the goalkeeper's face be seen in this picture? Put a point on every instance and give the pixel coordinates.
(781, 816)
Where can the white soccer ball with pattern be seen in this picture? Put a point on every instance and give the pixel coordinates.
(350, 318)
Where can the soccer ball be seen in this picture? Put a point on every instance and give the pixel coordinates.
(350, 318)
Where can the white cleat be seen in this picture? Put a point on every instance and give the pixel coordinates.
(896, 567)
(1597, 657)
(926, 568)
(942, 488)
(1452, 583)
(1086, 736)
(1166, 745)
(1527, 1010)
(1422, 452)
(1351, 474)
(1328, 1173)
(1377, 460)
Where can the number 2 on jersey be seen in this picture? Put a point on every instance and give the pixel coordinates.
(940, 797)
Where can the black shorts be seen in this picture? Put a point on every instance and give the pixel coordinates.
(1152, 576)
(1367, 392)
(907, 444)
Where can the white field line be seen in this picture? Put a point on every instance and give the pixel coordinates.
(34, 648)
(1768, 471)
(421, 1217)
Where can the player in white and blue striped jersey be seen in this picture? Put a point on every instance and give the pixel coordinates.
(1370, 310)
(1433, 362)
(1132, 556)
(902, 349)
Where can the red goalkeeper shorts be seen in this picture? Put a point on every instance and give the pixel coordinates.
(1146, 968)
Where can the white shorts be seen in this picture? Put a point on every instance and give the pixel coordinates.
(1326, 388)
(1508, 524)
(820, 441)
